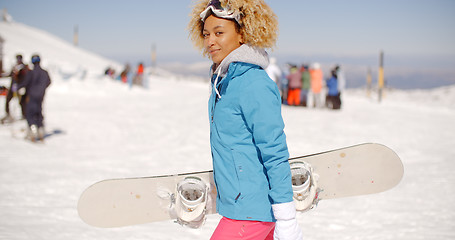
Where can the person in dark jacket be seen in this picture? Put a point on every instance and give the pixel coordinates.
(17, 75)
(332, 99)
(35, 84)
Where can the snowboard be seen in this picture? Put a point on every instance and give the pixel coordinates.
(351, 171)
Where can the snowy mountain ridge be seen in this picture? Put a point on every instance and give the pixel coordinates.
(63, 59)
(56, 54)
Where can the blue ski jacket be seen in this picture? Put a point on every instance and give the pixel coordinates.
(248, 143)
(332, 86)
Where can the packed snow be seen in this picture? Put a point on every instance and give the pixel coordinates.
(99, 128)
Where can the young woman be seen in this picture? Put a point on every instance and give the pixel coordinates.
(249, 151)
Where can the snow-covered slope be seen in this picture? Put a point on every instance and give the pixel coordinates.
(99, 128)
(59, 56)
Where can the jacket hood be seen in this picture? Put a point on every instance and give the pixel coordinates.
(244, 53)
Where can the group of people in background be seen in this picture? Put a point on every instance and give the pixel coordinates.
(129, 76)
(305, 85)
(29, 87)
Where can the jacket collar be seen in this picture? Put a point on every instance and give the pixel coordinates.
(245, 54)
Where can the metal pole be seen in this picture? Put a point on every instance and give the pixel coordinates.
(76, 36)
(381, 76)
(1, 56)
(153, 56)
(369, 80)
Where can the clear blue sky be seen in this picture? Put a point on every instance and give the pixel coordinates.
(126, 30)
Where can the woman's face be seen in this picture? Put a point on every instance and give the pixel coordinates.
(220, 38)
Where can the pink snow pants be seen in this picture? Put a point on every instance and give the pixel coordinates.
(229, 229)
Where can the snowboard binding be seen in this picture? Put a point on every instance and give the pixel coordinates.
(191, 201)
(304, 186)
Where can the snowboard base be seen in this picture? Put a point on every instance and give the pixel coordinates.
(351, 171)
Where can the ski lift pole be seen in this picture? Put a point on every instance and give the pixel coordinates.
(369, 82)
(76, 36)
(381, 76)
(1, 55)
(153, 56)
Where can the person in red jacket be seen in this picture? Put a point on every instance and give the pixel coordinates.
(138, 79)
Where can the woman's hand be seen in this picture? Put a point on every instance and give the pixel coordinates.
(286, 227)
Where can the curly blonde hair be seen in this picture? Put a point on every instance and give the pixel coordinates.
(258, 23)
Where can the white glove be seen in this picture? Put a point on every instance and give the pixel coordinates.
(286, 227)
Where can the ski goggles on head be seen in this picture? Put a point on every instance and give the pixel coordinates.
(218, 10)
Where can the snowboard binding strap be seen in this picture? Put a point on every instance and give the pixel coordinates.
(191, 201)
(304, 186)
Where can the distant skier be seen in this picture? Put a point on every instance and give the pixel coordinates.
(275, 73)
(138, 78)
(17, 75)
(316, 84)
(294, 86)
(341, 81)
(306, 85)
(35, 83)
(125, 73)
(332, 99)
